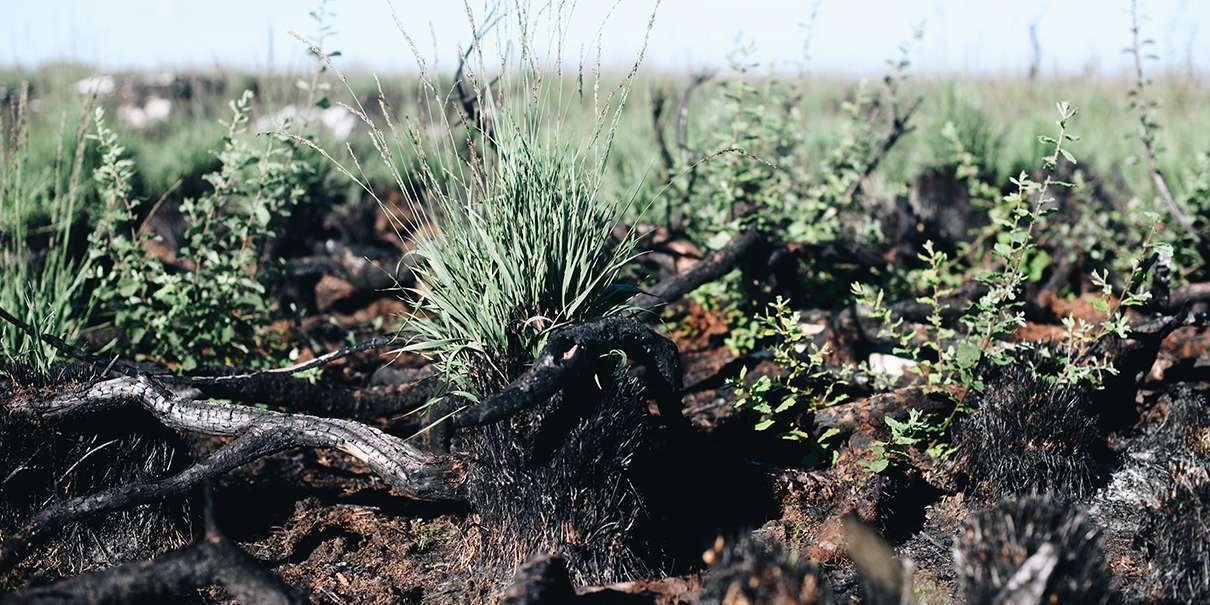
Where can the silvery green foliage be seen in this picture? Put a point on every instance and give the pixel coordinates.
(523, 246)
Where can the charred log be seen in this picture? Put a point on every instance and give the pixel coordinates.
(1190, 294)
(709, 269)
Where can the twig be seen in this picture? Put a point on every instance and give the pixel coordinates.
(1145, 135)
(57, 343)
(900, 126)
(366, 345)
(659, 104)
(472, 106)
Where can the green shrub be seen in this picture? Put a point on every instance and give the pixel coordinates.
(953, 360)
(763, 171)
(207, 306)
(803, 385)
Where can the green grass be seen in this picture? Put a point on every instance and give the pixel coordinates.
(39, 210)
(522, 249)
(513, 226)
(496, 275)
(1002, 114)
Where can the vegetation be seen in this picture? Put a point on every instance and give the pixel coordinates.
(210, 307)
(39, 205)
(609, 298)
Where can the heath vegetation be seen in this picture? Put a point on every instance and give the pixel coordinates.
(516, 332)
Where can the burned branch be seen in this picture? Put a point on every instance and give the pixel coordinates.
(300, 395)
(243, 378)
(711, 268)
(900, 126)
(576, 349)
(659, 106)
(212, 560)
(470, 97)
(1189, 294)
(682, 143)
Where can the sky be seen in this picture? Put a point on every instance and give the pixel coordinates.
(844, 37)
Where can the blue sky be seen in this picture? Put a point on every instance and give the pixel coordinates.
(847, 36)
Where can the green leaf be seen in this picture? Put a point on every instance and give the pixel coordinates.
(128, 288)
(718, 240)
(262, 214)
(967, 354)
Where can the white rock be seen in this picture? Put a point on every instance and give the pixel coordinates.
(339, 121)
(889, 365)
(100, 85)
(157, 109)
(811, 328)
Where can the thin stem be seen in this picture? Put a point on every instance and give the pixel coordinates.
(1146, 136)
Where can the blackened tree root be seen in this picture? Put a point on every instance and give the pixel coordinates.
(258, 433)
(417, 473)
(212, 560)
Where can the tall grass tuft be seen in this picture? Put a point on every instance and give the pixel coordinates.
(43, 283)
(522, 249)
(514, 235)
